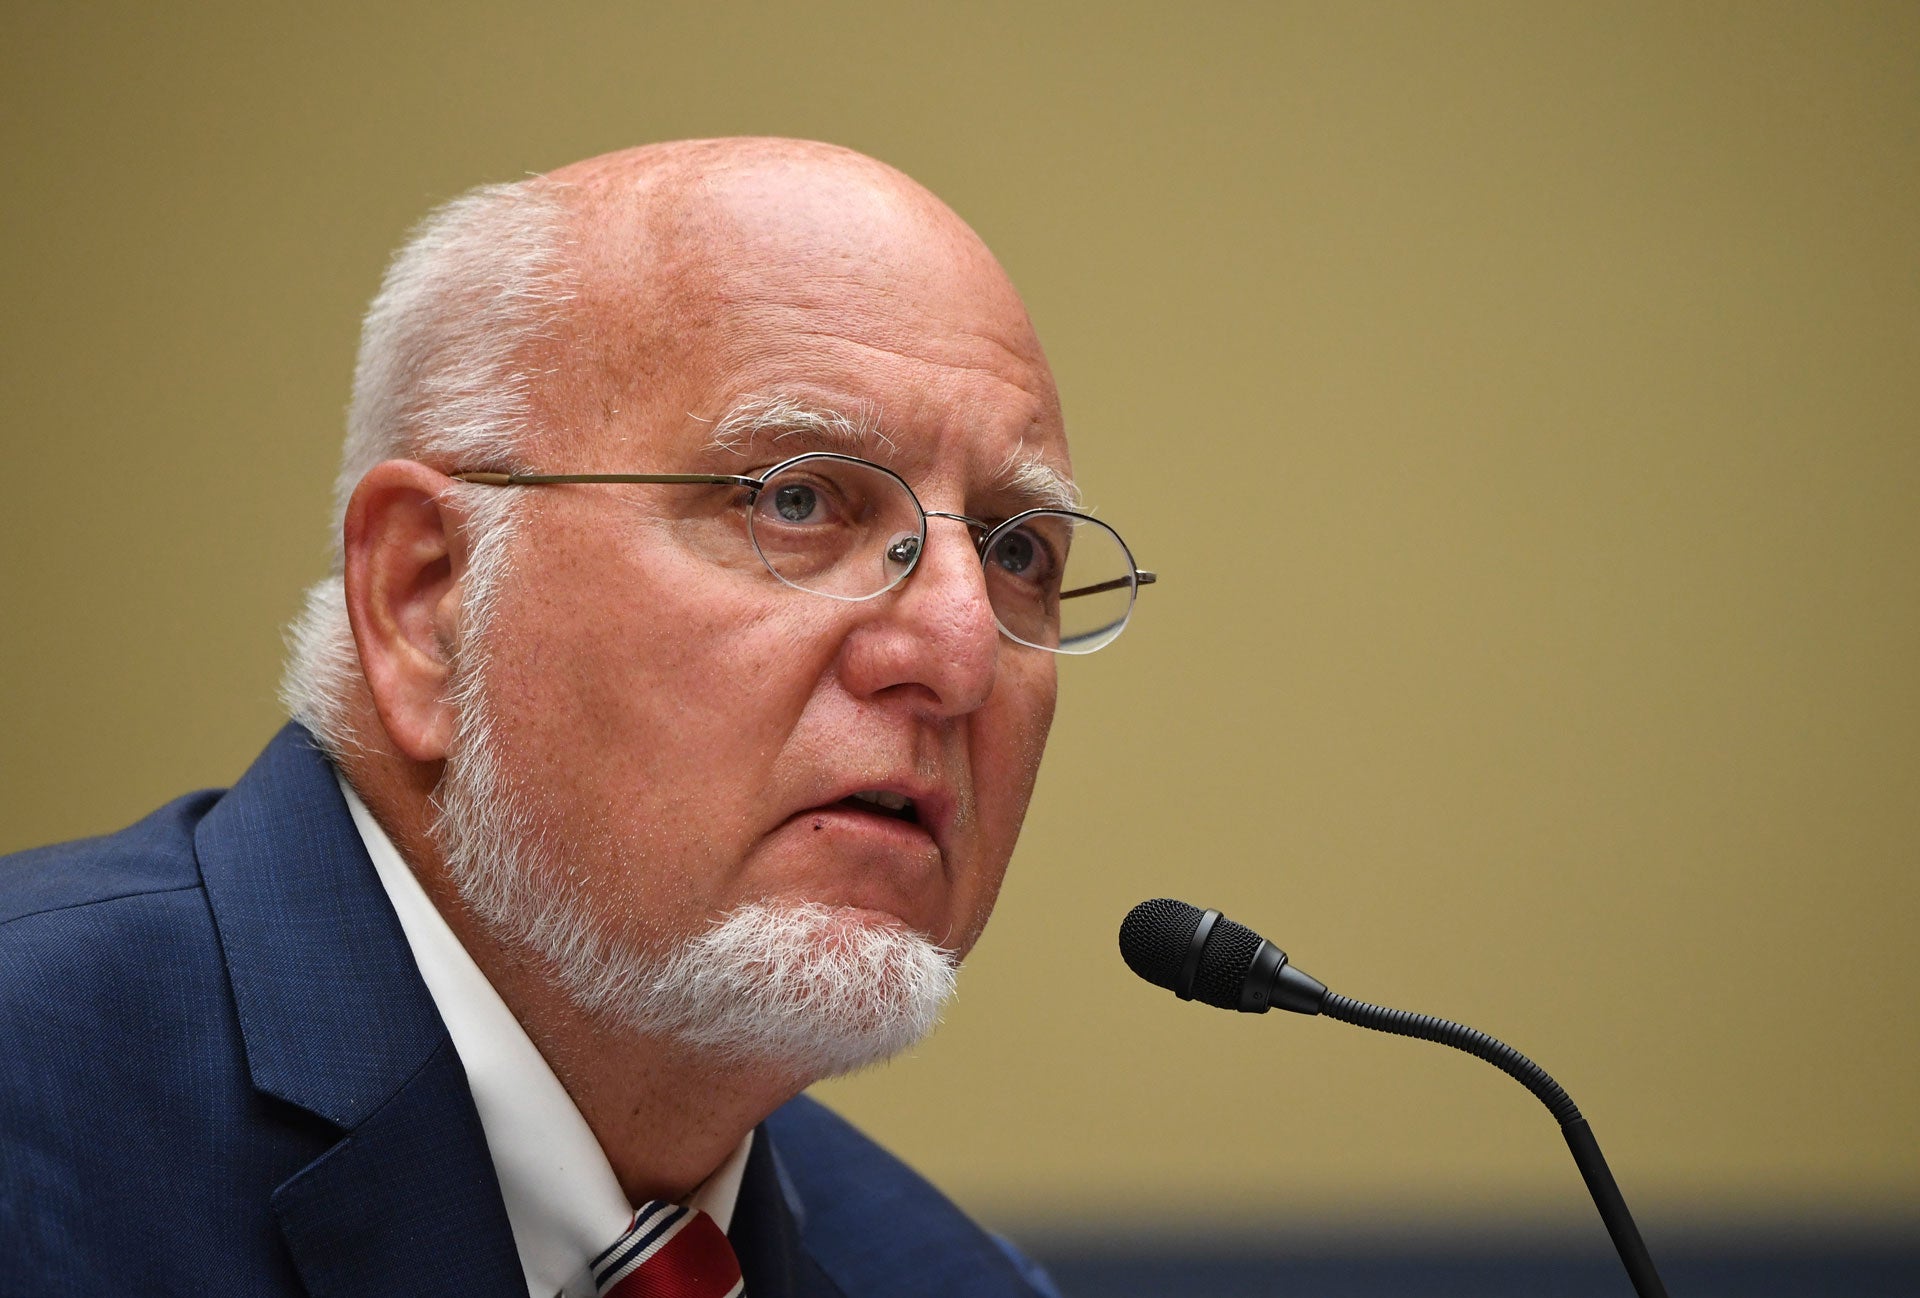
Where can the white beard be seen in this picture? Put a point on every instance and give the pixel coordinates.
(810, 990)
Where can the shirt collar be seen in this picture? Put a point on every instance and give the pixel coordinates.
(563, 1201)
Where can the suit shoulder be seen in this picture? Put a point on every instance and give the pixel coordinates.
(153, 855)
(115, 927)
(875, 1223)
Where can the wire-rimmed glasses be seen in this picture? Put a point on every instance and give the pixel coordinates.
(849, 529)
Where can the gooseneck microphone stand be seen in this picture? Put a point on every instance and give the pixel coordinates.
(1586, 1150)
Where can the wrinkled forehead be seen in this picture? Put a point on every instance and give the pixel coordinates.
(857, 296)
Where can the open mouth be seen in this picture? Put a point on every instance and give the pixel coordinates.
(895, 806)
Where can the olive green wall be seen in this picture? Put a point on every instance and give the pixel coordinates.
(1519, 401)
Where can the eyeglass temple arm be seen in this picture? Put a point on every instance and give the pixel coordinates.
(1141, 577)
(545, 479)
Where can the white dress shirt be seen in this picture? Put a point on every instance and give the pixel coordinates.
(563, 1201)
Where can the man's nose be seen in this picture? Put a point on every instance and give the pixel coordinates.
(935, 633)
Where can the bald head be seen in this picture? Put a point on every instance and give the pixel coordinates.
(758, 198)
(693, 256)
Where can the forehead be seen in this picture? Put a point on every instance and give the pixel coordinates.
(869, 320)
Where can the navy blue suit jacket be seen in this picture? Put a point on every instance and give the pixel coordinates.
(220, 1072)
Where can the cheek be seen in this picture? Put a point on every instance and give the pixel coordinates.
(1024, 725)
(1006, 757)
(638, 692)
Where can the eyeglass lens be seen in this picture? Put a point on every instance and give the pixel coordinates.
(849, 530)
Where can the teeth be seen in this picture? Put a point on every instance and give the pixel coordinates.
(891, 801)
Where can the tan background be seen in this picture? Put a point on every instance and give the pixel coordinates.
(1518, 400)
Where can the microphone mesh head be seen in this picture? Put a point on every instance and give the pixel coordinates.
(1225, 961)
(1154, 938)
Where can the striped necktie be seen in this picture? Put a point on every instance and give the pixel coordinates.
(669, 1252)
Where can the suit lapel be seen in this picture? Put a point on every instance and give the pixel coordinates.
(407, 1203)
(767, 1222)
(337, 1022)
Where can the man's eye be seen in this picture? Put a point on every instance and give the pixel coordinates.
(1021, 554)
(1015, 553)
(796, 501)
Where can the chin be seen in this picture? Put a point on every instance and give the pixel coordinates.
(803, 989)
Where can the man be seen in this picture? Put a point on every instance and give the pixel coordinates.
(665, 730)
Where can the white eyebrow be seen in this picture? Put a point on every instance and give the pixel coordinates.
(779, 417)
(1024, 476)
(1027, 477)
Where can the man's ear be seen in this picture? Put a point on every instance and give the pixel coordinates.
(405, 560)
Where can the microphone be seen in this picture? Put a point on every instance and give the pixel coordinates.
(1202, 955)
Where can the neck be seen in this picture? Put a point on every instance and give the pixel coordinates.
(665, 1115)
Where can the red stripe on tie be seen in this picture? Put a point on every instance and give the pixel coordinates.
(697, 1262)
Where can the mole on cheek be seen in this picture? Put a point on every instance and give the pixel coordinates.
(819, 825)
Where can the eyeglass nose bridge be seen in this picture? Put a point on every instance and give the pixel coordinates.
(907, 549)
(973, 525)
